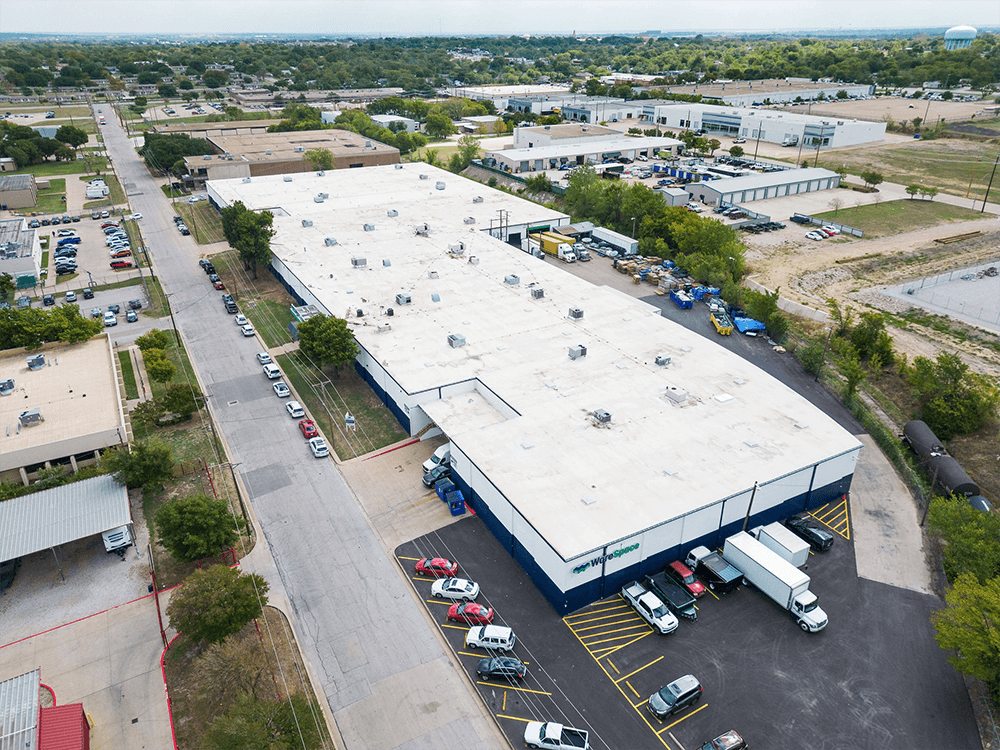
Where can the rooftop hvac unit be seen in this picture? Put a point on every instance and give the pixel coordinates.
(439, 186)
(577, 352)
(286, 178)
(432, 274)
(324, 196)
(299, 149)
(456, 248)
(678, 397)
(392, 213)
(321, 173)
(386, 263)
(267, 151)
(575, 313)
(30, 417)
(359, 313)
(6, 387)
(318, 199)
(511, 280)
(389, 312)
(36, 362)
(424, 177)
(246, 180)
(478, 199)
(399, 166)
(662, 359)
(207, 158)
(330, 241)
(369, 227)
(456, 340)
(359, 262)
(383, 328)
(537, 293)
(307, 222)
(403, 299)
(368, 144)
(469, 220)
(602, 416)
(422, 230)
(473, 260)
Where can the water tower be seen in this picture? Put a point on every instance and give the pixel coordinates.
(959, 37)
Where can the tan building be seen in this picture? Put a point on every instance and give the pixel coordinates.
(209, 129)
(283, 153)
(18, 191)
(62, 408)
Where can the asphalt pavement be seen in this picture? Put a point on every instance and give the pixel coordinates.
(370, 650)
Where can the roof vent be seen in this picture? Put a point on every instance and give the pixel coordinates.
(320, 173)
(6, 387)
(286, 178)
(392, 213)
(473, 260)
(324, 196)
(386, 263)
(602, 416)
(678, 397)
(330, 241)
(478, 199)
(267, 151)
(299, 149)
(432, 274)
(359, 313)
(435, 297)
(37, 362)
(403, 299)
(422, 230)
(469, 220)
(383, 328)
(30, 417)
(318, 198)
(307, 222)
(537, 293)
(359, 262)
(246, 180)
(439, 186)
(577, 352)
(424, 177)
(456, 248)
(399, 166)
(456, 340)
(575, 313)
(511, 280)
(662, 360)
(369, 227)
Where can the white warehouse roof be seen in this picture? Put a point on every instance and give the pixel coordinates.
(513, 400)
(558, 150)
(766, 179)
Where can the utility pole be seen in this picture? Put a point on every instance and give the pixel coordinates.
(992, 175)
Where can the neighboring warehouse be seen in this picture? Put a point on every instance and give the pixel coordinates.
(18, 191)
(283, 153)
(578, 150)
(756, 93)
(208, 130)
(60, 404)
(27, 725)
(596, 439)
(761, 186)
(20, 251)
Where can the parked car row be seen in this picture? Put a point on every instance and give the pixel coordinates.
(295, 410)
(767, 226)
(822, 233)
(181, 227)
(46, 221)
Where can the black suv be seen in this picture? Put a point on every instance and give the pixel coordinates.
(441, 471)
(88, 293)
(503, 667)
(208, 268)
(135, 304)
(820, 540)
(49, 299)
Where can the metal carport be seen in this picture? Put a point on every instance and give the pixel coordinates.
(46, 519)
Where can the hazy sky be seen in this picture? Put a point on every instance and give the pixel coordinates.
(424, 17)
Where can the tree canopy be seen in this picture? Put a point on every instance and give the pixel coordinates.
(216, 602)
(196, 527)
(31, 327)
(147, 465)
(165, 153)
(327, 340)
(953, 399)
(249, 233)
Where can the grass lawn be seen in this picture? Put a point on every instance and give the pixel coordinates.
(377, 427)
(135, 281)
(49, 168)
(202, 219)
(131, 389)
(270, 318)
(45, 259)
(443, 153)
(895, 217)
(51, 200)
(185, 374)
(157, 299)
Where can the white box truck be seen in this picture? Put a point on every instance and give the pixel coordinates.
(779, 579)
(789, 546)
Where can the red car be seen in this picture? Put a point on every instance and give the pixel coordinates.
(436, 567)
(118, 265)
(308, 428)
(219, 285)
(683, 575)
(471, 613)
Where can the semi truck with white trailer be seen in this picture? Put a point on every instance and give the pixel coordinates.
(776, 577)
(624, 245)
(789, 546)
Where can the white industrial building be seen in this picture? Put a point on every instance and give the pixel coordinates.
(386, 121)
(771, 126)
(760, 186)
(20, 252)
(534, 136)
(519, 160)
(594, 438)
(757, 92)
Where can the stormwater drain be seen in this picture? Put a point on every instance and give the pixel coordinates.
(232, 403)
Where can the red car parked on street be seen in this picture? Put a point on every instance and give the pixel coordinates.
(308, 428)
(436, 567)
(471, 613)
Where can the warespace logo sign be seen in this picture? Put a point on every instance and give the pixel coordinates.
(605, 558)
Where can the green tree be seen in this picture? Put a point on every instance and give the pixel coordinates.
(197, 527)
(265, 724)
(71, 136)
(736, 151)
(147, 465)
(155, 339)
(215, 78)
(842, 319)
(167, 90)
(539, 183)
(912, 190)
(160, 368)
(438, 125)
(812, 357)
(871, 177)
(967, 627)
(7, 285)
(139, 105)
(953, 400)
(327, 340)
(320, 158)
(929, 192)
(842, 94)
(869, 338)
(972, 538)
(468, 147)
(216, 602)
(713, 144)
(852, 369)
(249, 233)
(180, 399)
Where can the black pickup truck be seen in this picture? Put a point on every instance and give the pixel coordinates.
(714, 570)
(673, 595)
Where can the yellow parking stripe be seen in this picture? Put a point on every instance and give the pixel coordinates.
(622, 621)
(632, 688)
(456, 627)
(612, 649)
(439, 601)
(688, 716)
(636, 671)
(588, 644)
(611, 664)
(415, 559)
(511, 687)
(513, 718)
(619, 613)
(617, 603)
(503, 706)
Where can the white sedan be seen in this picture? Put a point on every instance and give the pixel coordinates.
(248, 330)
(136, 216)
(281, 390)
(455, 588)
(318, 447)
(264, 358)
(240, 319)
(294, 409)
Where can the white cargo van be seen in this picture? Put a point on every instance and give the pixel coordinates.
(441, 456)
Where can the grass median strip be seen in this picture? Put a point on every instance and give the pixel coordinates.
(128, 375)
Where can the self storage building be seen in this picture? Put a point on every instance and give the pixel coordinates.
(596, 439)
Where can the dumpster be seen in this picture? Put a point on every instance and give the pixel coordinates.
(443, 486)
(456, 503)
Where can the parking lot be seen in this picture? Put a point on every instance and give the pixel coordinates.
(873, 678)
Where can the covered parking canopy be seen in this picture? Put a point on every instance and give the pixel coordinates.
(46, 519)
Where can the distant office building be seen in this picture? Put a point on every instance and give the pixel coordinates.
(959, 37)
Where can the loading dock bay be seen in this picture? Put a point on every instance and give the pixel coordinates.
(873, 678)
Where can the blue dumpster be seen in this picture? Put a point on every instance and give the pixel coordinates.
(456, 503)
(443, 486)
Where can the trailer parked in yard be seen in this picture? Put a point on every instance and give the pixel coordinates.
(780, 580)
(624, 245)
(790, 547)
(673, 594)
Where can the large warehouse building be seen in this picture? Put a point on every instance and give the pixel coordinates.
(761, 186)
(596, 439)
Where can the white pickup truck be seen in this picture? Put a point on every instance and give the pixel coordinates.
(650, 608)
(552, 736)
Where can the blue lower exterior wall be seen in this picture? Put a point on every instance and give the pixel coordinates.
(564, 602)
